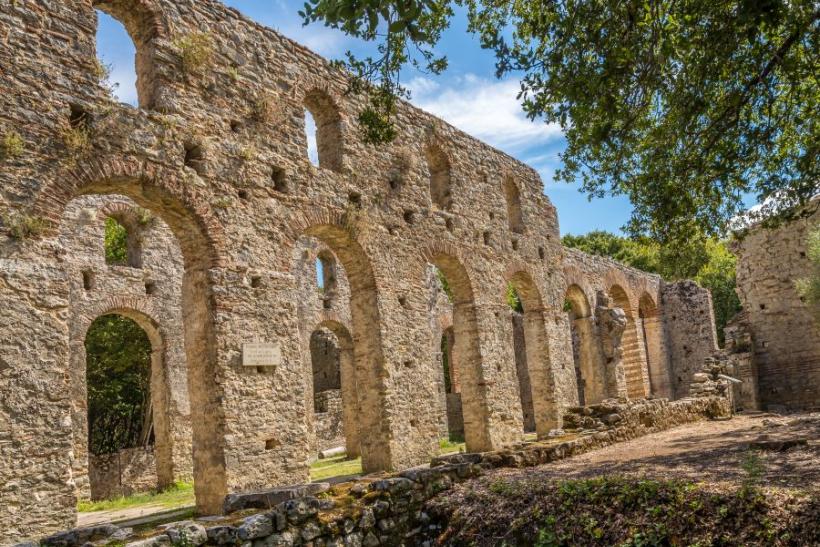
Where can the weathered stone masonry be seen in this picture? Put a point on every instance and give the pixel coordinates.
(218, 153)
(775, 341)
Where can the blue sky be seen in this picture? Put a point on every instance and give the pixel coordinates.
(467, 95)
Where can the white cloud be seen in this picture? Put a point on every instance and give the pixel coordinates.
(486, 109)
(319, 39)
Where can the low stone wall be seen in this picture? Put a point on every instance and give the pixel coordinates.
(122, 473)
(391, 511)
(328, 419)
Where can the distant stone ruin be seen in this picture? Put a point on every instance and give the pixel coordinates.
(223, 275)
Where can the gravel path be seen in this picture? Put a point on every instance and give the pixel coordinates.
(712, 452)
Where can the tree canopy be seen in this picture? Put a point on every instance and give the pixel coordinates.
(118, 372)
(684, 107)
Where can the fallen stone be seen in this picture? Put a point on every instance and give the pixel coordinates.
(268, 499)
(187, 533)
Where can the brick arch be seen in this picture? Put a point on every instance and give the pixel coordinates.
(371, 369)
(539, 379)
(448, 258)
(466, 352)
(615, 278)
(330, 139)
(440, 171)
(634, 354)
(162, 190)
(189, 216)
(140, 309)
(573, 276)
(520, 277)
(351, 406)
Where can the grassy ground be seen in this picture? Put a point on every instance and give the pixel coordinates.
(179, 495)
(182, 494)
(337, 466)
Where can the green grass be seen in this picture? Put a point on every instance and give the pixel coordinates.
(337, 466)
(180, 494)
(448, 447)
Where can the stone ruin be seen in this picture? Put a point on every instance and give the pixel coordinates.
(222, 275)
(773, 344)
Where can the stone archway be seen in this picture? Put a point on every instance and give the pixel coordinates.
(347, 384)
(166, 458)
(536, 345)
(465, 353)
(369, 363)
(592, 380)
(651, 335)
(166, 194)
(634, 356)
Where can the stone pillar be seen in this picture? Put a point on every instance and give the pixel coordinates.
(592, 364)
(612, 323)
(37, 494)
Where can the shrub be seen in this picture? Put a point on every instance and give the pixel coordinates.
(21, 226)
(196, 51)
(809, 288)
(12, 145)
(77, 139)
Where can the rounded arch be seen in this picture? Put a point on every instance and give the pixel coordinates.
(145, 25)
(465, 353)
(651, 335)
(348, 386)
(163, 440)
(328, 119)
(578, 301)
(512, 196)
(536, 342)
(166, 194)
(634, 354)
(368, 357)
(439, 167)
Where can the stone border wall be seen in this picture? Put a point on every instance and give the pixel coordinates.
(390, 511)
(122, 473)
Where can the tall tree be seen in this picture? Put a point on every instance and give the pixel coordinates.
(683, 106)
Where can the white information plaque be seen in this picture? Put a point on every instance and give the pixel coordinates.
(261, 354)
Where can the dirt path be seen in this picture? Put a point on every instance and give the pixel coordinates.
(711, 452)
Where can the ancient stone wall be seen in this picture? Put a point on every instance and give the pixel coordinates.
(122, 473)
(148, 289)
(645, 357)
(218, 152)
(785, 337)
(690, 331)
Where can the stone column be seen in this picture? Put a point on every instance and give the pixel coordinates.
(612, 324)
(37, 493)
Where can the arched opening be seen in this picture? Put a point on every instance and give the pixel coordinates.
(326, 277)
(368, 362)
(127, 438)
(198, 238)
(463, 358)
(659, 381)
(440, 181)
(122, 244)
(591, 381)
(125, 32)
(634, 357)
(323, 127)
(334, 388)
(520, 354)
(527, 307)
(515, 217)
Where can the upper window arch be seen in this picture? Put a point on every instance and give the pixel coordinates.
(122, 243)
(323, 126)
(515, 217)
(440, 177)
(126, 30)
